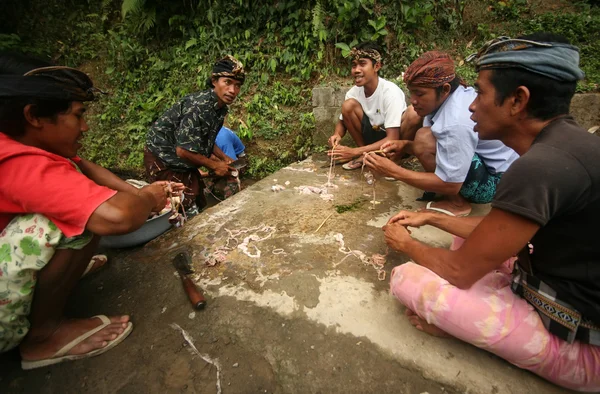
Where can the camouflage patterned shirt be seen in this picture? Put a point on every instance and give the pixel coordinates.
(192, 124)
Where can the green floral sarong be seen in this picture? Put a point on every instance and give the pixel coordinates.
(26, 245)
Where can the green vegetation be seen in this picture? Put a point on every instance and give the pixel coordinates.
(350, 207)
(149, 53)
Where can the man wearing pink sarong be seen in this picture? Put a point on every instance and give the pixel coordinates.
(540, 311)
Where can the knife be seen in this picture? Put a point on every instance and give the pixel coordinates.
(182, 263)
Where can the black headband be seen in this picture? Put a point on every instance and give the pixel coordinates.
(55, 82)
(229, 67)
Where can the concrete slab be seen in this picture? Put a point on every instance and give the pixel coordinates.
(289, 309)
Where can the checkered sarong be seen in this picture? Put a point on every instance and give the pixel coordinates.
(559, 317)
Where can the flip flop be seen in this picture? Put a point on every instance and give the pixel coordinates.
(61, 355)
(445, 211)
(93, 264)
(353, 164)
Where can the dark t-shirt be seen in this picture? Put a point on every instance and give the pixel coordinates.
(557, 185)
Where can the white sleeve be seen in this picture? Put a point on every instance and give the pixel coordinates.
(394, 106)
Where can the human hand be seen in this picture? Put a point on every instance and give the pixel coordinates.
(393, 148)
(410, 219)
(222, 169)
(397, 236)
(175, 187)
(380, 164)
(228, 159)
(334, 140)
(158, 192)
(341, 152)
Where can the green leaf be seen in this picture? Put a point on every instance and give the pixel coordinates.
(30, 246)
(5, 254)
(273, 64)
(342, 46)
(132, 6)
(190, 43)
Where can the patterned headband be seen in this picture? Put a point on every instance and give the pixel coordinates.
(229, 67)
(356, 54)
(53, 82)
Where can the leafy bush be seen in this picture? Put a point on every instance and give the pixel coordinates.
(149, 53)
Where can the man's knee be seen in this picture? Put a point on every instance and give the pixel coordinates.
(411, 119)
(408, 280)
(424, 142)
(351, 106)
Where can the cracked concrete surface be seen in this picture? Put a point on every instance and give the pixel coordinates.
(309, 319)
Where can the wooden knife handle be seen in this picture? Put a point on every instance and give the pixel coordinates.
(193, 293)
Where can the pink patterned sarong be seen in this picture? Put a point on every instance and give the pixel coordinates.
(490, 316)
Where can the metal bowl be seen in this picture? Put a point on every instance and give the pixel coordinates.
(150, 230)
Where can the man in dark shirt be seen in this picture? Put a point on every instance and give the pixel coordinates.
(183, 138)
(544, 315)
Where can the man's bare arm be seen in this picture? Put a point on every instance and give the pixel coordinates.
(499, 236)
(338, 134)
(125, 212)
(422, 180)
(197, 159)
(392, 133)
(104, 177)
(221, 155)
(220, 168)
(426, 181)
(459, 226)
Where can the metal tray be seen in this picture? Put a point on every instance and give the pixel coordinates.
(150, 230)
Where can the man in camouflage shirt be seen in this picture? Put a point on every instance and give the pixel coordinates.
(183, 138)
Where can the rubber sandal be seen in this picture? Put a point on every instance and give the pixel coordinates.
(353, 164)
(61, 355)
(445, 211)
(93, 264)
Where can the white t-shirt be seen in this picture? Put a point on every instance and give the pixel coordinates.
(457, 143)
(384, 107)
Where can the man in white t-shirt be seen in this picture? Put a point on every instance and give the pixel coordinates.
(380, 100)
(457, 164)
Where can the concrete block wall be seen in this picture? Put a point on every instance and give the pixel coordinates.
(327, 102)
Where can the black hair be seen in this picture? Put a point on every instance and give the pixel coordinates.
(548, 97)
(454, 84)
(12, 118)
(367, 45)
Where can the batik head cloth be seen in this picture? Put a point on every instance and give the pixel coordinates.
(229, 67)
(431, 70)
(54, 82)
(551, 59)
(372, 54)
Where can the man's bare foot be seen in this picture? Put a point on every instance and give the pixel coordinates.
(457, 210)
(46, 346)
(422, 325)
